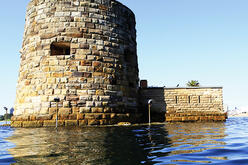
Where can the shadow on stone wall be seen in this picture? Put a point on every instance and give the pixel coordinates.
(158, 108)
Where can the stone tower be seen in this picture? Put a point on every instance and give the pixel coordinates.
(84, 52)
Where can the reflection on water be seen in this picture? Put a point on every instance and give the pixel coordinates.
(190, 139)
(74, 146)
(177, 143)
(195, 135)
(170, 143)
(5, 157)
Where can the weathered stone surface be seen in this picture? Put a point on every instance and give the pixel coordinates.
(82, 123)
(65, 111)
(71, 123)
(77, 53)
(97, 110)
(49, 123)
(124, 123)
(73, 116)
(186, 104)
(32, 124)
(93, 122)
(80, 116)
(89, 116)
(42, 117)
(17, 124)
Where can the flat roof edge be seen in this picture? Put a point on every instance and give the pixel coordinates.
(183, 88)
(194, 88)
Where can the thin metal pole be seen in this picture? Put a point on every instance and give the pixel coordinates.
(6, 116)
(149, 111)
(56, 115)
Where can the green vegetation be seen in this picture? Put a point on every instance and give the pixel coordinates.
(193, 83)
(4, 117)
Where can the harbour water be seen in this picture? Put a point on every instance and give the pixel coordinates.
(169, 143)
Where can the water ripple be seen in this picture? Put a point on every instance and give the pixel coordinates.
(5, 157)
(169, 143)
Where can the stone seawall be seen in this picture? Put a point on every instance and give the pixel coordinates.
(187, 104)
(92, 120)
(84, 53)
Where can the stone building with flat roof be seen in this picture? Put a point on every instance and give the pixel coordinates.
(186, 103)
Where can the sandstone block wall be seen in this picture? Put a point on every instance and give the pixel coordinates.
(187, 104)
(194, 104)
(84, 52)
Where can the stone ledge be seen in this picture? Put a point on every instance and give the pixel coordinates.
(178, 118)
(34, 124)
(70, 123)
(195, 113)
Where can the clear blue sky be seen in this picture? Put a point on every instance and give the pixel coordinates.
(178, 40)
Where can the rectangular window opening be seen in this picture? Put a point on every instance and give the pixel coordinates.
(131, 85)
(199, 99)
(189, 99)
(60, 48)
(176, 98)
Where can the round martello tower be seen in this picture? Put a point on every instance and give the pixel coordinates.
(84, 53)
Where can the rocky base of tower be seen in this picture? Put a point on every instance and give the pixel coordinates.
(195, 117)
(87, 119)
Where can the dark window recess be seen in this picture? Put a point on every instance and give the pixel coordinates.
(189, 99)
(128, 56)
(113, 81)
(60, 48)
(176, 99)
(131, 85)
(199, 99)
(129, 26)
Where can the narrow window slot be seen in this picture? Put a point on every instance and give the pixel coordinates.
(60, 48)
